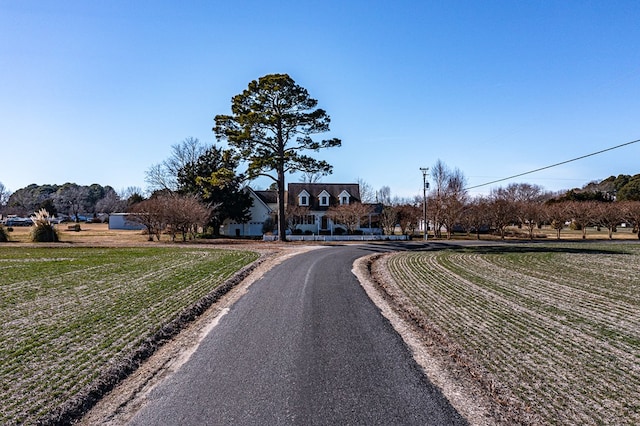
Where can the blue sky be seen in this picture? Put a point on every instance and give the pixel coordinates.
(98, 91)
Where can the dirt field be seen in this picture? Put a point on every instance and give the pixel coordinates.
(551, 331)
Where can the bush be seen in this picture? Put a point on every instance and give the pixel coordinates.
(43, 230)
(4, 236)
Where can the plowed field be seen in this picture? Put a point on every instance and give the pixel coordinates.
(70, 315)
(556, 326)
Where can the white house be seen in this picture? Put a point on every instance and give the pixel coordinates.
(313, 200)
(263, 208)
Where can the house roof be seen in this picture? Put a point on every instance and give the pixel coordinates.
(267, 196)
(315, 189)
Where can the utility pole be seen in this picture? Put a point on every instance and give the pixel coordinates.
(425, 186)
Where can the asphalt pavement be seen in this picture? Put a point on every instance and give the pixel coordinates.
(304, 346)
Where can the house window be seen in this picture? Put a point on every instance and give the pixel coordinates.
(345, 197)
(324, 200)
(303, 198)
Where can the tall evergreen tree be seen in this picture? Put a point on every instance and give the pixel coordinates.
(270, 128)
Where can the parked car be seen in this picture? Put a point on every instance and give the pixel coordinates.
(19, 221)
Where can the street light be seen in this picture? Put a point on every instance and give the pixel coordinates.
(425, 186)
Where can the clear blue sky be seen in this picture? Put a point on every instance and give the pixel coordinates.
(98, 91)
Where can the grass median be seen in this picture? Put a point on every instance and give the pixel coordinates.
(72, 317)
(553, 329)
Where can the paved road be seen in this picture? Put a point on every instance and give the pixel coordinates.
(305, 346)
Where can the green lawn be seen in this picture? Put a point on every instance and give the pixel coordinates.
(553, 327)
(67, 315)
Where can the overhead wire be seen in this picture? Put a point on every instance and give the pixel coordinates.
(554, 165)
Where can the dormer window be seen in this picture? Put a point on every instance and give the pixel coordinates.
(344, 197)
(303, 199)
(323, 199)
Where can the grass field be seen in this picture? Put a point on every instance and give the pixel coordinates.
(554, 328)
(70, 315)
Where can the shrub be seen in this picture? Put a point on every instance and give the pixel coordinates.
(43, 230)
(4, 236)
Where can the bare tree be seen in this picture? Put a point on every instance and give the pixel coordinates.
(383, 196)
(165, 174)
(408, 217)
(556, 214)
(295, 216)
(72, 199)
(582, 214)
(150, 214)
(388, 219)
(311, 177)
(502, 209)
(179, 213)
(4, 196)
(631, 211)
(367, 193)
(184, 214)
(608, 215)
(110, 203)
(349, 215)
(474, 215)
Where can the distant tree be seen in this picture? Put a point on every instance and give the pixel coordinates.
(72, 199)
(556, 214)
(349, 215)
(164, 175)
(582, 214)
(311, 177)
(110, 202)
(296, 216)
(367, 193)
(4, 196)
(630, 191)
(270, 128)
(474, 215)
(608, 215)
(388, 219)
(453, 200)
(383, 196)
(408, 217)
(213, 178)
(183, 214)
(150, 214)
(631, 211)
(30, 199)
(131, 195)
(502, 209)
(527, 201)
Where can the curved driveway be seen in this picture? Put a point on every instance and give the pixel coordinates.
(304, 346)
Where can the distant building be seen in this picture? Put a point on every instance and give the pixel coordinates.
(315, 199)
(122, 221)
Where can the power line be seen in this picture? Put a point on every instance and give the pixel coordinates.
(555, 165)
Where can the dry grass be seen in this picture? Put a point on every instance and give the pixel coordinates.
(552, 329)
(75, 320)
